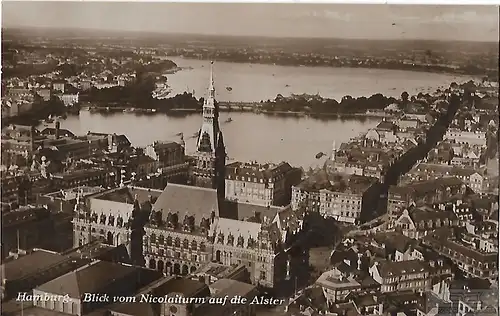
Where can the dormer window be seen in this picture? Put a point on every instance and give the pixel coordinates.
(103, 219)
(241, 241)
(251, 243)
(230, 240)
(220, 238)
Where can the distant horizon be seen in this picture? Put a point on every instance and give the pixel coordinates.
(166, 33)
(471, 23)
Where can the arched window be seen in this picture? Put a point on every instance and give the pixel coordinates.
(177, 242)
(185, 244)
(194, 245)
(161, 239)
(153, 238)
(152, 264)
(169, 241)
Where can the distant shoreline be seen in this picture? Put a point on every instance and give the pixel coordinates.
(397, 67)
(224, 109)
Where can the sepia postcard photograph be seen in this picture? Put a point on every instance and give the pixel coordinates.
(249, 159)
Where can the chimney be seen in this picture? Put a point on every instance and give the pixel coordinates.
(58, 128)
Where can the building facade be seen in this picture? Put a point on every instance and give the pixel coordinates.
(258, 246)
(261, 184)
(424, 192)
(418, 222)
(471, 261)
(109, 216)
(333, 195)
(414, 275)
(185, 232)
(472, 138)
(176, 238)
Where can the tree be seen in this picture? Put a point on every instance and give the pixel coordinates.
(405, 96)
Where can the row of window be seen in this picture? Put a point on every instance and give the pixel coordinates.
(254, 180)
(169, 241)
(176, 254)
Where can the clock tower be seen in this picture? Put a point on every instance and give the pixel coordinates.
(210, 155)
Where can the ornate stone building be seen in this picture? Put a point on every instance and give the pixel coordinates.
(186, 231)
(210, 155)
(256, 245)
(176, 237)
(111, 216)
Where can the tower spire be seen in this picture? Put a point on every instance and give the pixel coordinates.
(210, 145)
(211, 85)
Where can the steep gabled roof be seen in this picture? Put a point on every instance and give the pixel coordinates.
(187, 200)
(93, 279)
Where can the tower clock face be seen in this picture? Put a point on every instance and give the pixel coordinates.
(173, 309)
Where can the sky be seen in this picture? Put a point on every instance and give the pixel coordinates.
(468, 23)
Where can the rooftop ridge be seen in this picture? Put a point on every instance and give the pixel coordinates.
(259, 205)
(189, 186)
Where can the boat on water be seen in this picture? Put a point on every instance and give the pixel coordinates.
(287, 85)
(229, 120)
(178, 134)
(229, 89)
(320, 154)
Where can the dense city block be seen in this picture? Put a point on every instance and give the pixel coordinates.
(401, 219)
